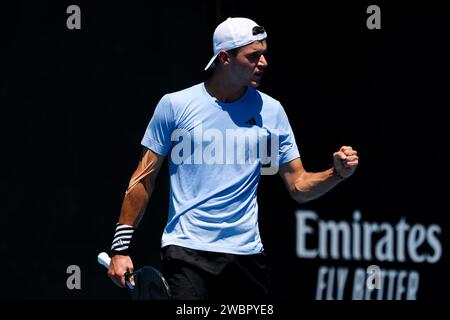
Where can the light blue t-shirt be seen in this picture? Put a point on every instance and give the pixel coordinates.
(215, 152)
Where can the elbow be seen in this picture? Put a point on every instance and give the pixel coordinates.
(300, 188)
(298, 195)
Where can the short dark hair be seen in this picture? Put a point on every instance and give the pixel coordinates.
(256, 30)
(232, 52)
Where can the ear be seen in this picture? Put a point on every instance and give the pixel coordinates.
(224, 57)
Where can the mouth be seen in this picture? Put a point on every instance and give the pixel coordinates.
(258, 74)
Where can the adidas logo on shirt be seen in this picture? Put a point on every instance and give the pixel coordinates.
(252, 122)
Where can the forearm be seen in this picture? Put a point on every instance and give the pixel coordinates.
(310, 186)
(134, 204)
(140, 188)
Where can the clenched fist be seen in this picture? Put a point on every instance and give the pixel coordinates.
(345, 161)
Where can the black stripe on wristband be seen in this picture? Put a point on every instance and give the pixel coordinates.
(122, 239)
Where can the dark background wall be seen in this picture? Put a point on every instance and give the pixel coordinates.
(75, 104)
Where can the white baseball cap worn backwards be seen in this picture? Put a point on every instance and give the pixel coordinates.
(234, 33)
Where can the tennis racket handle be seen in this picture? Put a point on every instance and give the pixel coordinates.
(104, 259)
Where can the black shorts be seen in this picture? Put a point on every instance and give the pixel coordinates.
(203, 275)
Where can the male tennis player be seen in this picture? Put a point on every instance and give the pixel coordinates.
(217, 136)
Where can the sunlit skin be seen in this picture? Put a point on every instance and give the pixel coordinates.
(233, 74)
(228, 82)
(249, 64)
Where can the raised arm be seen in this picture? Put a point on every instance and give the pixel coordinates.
(304, 186)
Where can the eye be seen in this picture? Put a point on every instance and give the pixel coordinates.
(254, 55)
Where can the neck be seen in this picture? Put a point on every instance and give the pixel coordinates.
(223, 90)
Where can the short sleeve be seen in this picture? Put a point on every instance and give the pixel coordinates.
(288, 150)
(157, 136)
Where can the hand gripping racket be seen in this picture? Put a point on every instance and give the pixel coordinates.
(149, 282)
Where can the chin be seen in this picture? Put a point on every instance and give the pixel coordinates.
(254, 84)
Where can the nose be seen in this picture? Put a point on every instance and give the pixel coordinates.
(262, 63)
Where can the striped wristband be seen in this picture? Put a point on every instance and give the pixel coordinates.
(122, 239)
